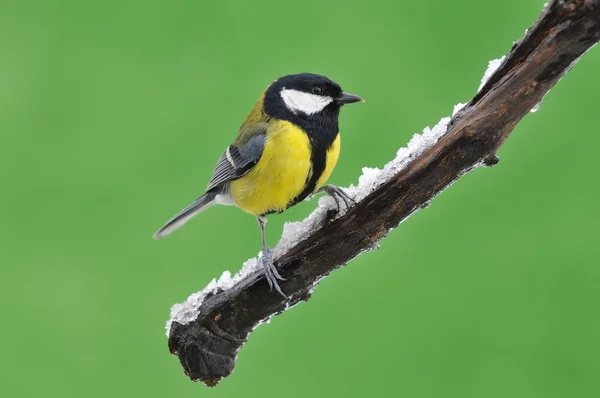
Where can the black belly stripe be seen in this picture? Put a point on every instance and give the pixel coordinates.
(321, 140)
(318, 159)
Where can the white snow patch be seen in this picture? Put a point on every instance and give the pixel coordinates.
(457, 108)
(187, 311)
(493, 65)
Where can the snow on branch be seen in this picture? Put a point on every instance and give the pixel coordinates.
(207, 331)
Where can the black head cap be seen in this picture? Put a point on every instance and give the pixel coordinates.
(314, 95)
(307, 83)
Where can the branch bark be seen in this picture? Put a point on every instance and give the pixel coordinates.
(208, 346)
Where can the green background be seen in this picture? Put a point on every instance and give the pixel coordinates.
(112, 115)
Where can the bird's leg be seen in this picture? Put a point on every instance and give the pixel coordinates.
(338, 194)
(267, 259)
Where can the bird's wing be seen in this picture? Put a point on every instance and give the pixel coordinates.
(237, 161)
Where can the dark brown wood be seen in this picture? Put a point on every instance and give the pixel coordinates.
(207, 347)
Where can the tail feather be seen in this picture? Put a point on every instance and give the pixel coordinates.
(202, 203)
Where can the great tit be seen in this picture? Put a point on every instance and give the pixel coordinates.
(285, 151)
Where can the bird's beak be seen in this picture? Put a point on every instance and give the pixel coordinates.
(347, 98)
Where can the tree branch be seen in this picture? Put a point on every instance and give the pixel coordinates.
(217, 325)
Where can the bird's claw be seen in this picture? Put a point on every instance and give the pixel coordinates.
(338, 194)
(271, 273)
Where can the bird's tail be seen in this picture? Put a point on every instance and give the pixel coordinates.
(202, 203)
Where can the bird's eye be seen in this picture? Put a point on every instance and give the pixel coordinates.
(318, 90)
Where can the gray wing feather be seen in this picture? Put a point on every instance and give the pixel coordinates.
(237, 161)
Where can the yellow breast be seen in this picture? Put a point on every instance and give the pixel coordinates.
(279, 176)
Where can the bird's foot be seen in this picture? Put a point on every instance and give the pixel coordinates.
(339, 196)
(271, 271)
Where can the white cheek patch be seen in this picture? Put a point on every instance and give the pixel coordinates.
(299, 101)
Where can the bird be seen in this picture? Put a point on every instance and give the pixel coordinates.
(285, 151)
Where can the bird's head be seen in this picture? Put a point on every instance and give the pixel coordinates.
(305, 95)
